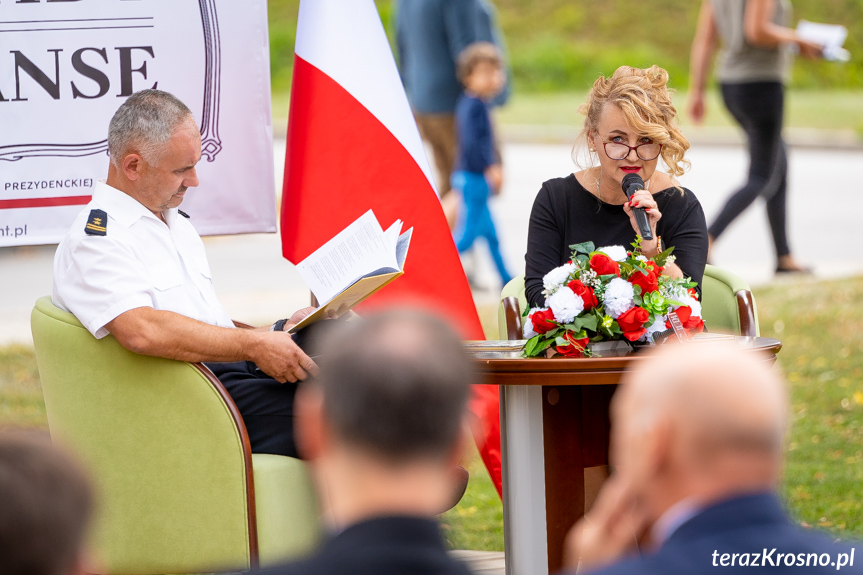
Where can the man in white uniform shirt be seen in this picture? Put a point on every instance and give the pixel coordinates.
(133, 266)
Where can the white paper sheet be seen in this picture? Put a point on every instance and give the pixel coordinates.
(358, 249)
(830, 36)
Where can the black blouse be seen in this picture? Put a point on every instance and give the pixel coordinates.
(564, 213)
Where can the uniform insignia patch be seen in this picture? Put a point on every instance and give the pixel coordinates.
(184, 214)
(97, 223)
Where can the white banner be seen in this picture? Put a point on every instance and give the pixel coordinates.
(65, 67)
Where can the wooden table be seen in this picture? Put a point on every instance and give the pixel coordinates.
(555, 424)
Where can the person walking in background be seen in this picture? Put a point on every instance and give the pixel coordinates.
(753, 67)
(430, 34)
(478, 170)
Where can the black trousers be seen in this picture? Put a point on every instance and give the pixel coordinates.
(267, 406)
(758, 108)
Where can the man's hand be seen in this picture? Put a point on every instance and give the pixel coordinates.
(607, 532)
(167, 334)
(276, 354)
(298, 317)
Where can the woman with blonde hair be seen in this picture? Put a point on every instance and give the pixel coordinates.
(629, 126)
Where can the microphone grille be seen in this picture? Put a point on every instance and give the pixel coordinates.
(630, 179)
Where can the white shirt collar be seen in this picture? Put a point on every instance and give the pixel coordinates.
(120, 205)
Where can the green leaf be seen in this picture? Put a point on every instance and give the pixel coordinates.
(662, 257)
(552, 333)
(531, 345)
(589, 322)
(560, 341)
(637, 299)
(583, 248)
(582, 260)
(544, 345)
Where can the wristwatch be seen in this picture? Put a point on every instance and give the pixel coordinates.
(279, 325)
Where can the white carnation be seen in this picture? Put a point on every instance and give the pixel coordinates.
(687, 300)
(695, 305)
(618, 297)
(527, 328)
(617, 253)
(565, 304)
(656, 327)
(556, 277)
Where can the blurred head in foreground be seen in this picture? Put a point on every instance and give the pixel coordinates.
(385, 422)
(700, 422)
(45, 506)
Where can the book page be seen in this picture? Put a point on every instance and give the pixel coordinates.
(352, 253)
(402, 247)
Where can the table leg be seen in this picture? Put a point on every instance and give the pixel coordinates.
(575, 433)
(523, 470)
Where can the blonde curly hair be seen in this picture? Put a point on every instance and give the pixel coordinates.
(644, 98)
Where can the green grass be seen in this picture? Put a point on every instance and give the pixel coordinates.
(821, 327)
(561, 45)
(21, 403)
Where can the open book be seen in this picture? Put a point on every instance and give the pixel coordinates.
(357, 262)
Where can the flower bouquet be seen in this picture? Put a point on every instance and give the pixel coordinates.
(608, 294)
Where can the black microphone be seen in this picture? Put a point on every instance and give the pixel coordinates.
(631, 184)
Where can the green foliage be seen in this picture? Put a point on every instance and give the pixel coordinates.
(558, 45)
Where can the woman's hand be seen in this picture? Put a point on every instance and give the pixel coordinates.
(643, 199)
(809, 49)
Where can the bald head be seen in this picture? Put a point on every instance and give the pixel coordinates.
(699, 420)
(721, 397)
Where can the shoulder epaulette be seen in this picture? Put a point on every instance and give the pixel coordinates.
(97, 223)
(184, 214)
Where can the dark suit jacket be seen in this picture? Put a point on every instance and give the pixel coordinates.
(384, 546)
(756, 529)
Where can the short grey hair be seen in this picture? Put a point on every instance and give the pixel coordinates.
(396, 385)
(145, 122)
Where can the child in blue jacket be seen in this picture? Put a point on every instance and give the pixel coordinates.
(478, 171)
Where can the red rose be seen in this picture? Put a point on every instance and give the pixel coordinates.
(543, 321)
(604, 265)
(647, 283)
(688, 320)
(585, 293)
(631, 323)
(575, 347)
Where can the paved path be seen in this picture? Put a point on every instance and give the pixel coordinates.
(257, 285)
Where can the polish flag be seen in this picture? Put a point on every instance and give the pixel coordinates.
(353, 145)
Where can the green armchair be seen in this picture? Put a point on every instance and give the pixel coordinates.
(726, 301)
(180, 490)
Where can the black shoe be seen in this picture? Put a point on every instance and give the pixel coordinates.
(792, 271)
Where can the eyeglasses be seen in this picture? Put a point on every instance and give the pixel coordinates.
(618, 151)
